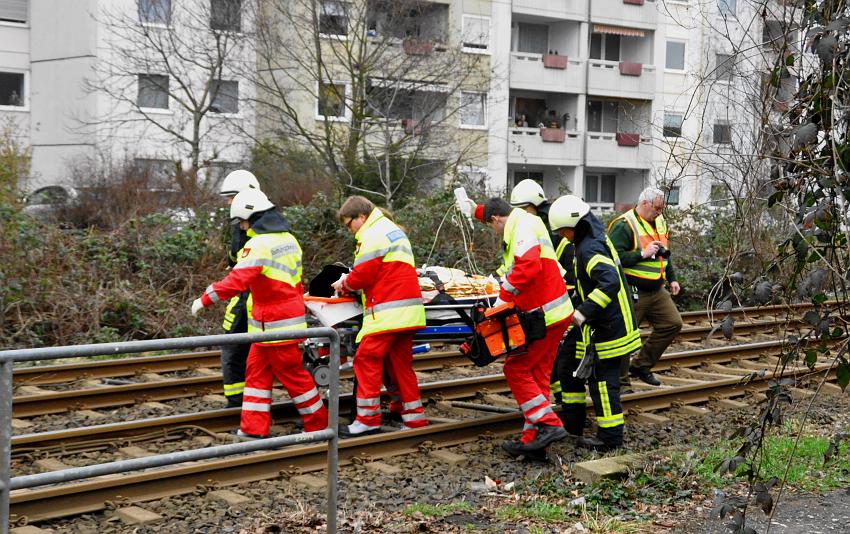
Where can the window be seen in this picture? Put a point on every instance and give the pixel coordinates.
(333, 18)
(473, 109)
(675, 55)
(159, 171)
(718, 193)
(155, 12)
(13, 11)
(226, 15)
(602, 116)
(476, 33)
(605, 46)
(724, 67)
(673, 196)
(225, 97)
(727, 8)
(532, 38)
(722, 133)
(519, 176)
(599, 188)
(673, 124)
(331, 101)
(12, 89)
(153, 91)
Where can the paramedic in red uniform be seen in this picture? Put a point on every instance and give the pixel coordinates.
(270, 267)
(385, 272)
(532, 280)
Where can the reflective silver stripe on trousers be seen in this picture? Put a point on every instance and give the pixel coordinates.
(365, 413)
(305, 397)
(536, 401)
(212, 294)
(313, 408)
(395, 304)
(406, 417)
(261, 393)
(381, 252)
(528, 426)
(412, 405)
(374, 401)
(256, 406)
(551, 305)
(268, 263)
(536, 416)
(276, 324)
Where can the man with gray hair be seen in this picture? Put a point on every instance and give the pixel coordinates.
(641, 239)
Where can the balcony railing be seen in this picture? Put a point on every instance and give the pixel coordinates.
(544, 146)
(558, 9)
(618, 150)
(625, 13)
(529, 71)
(621, 79)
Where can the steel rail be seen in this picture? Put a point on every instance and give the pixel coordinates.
(90, 496)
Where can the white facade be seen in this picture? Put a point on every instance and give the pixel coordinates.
(74, 113)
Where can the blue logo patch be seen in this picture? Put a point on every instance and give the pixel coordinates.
(395, 235)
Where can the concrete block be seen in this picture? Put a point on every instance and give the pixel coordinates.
(499, 400)
(383, 468)
(29, 529)
(731, 404)
(150, 377)
(91, 414)
(594, 470)
(133, 515)
(153, 405)
(30, 390)
(423, 377)
(228, 496)
(649, 418)
(206, 371)
(693, 410)
(215, 399)
(20, 424)
(448, 457)
(832, 389)
(134, 452)
(51, 464)
(311, 482)
(202, 441)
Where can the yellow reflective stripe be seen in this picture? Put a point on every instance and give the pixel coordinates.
(604, 400)
(596, 260)
(295, 323)
(620, 346)
(562, 245)
(393, 318)
(610, 421)
(229, 316)
(234, 389)
(573, 398)
(555, 387)
(599, 297)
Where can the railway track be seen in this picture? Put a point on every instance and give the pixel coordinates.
(690, 379)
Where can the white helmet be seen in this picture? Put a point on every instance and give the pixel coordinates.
(566, 212)
(238, 181)
(527, 192)
(249, 202)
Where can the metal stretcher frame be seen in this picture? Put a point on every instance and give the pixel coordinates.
(8, 357)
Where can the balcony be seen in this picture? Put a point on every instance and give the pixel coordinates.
(544, 146)
(618, 151)
(631, 13)
(621, 80)
(555, 9)
(528, 71)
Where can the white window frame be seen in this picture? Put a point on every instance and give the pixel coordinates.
(717, 62)
(472, 50)
(150, 111)
(484, 106)
(338, 36)
(714, 126)
(228, 113)
(733, 13)
(24, 24)
(26, 95)
(664, 126)
(157, 24)
(346, 117)
(684, 44)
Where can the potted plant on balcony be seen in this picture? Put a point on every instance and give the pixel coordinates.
(415, 47)
(628, 139)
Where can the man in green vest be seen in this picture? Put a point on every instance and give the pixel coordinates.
(641, 238)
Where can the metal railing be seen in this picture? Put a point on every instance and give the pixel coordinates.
(7, 359)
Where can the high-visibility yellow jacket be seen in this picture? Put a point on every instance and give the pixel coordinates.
(645, 272)
(385, 271)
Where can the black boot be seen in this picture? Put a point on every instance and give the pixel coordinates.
(518, 450)
(596, 444)
(234, 401)
(546, 434)
(644, 375)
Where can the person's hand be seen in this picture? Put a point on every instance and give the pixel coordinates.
(339, 286)
(675, 288)
(577, 319)
(651, 250)
(466, 207)
(197, 306)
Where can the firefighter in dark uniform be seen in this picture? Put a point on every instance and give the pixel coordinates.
(604, 319)
(233, 357)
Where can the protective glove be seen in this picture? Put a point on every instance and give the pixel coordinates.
(466, 207)
(339, 286)
(578, 318)
(197, 306)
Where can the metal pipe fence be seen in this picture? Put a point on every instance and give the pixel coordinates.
(7, 359)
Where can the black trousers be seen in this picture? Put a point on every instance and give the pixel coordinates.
(233, 360)
(604, 391)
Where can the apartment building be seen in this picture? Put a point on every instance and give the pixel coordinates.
(81, 82)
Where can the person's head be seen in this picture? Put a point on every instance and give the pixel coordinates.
(650, 203)
(528, 195)
(354, 212)
(566, 213)
(235, 182)
(247, 205)
(494, 213)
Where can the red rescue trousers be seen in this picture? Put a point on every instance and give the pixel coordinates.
(391, 352)
(281, 361)
(528, 377)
